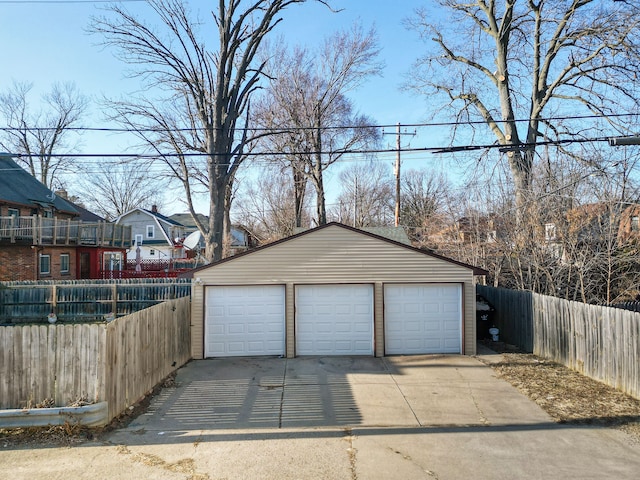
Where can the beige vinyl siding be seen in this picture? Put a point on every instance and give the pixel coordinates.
(197, 319)
(334, 255)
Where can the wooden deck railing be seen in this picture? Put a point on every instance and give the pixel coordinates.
(38, 230)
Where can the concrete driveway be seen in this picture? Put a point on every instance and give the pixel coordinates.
(418, 417)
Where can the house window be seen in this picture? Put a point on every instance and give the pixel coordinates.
(13, 212)
(550, 231)
(149, 231)
(152, 252)
(64, 263)
(45, 264)
(138, 240)
(635, 224)
(47, 213)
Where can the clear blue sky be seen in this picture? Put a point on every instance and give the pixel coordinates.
(46, 41)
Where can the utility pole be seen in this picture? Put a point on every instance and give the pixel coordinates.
(397, 169)
(355, 204)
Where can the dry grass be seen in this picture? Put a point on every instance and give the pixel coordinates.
(71, 434)
(569, 397)
(61, 435)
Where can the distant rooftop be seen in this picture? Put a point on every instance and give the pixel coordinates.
(19, 187)
(397, 234)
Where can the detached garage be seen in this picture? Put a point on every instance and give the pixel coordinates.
(333, 290)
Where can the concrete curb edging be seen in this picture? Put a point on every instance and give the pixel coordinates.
(94, 415)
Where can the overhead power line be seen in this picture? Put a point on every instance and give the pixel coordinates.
(433, 150)
(292, 129)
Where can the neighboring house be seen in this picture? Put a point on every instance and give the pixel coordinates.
(629, 228)
(158, 237)
(481, 229)
(241, 238)
(43, 235)
(594, 226)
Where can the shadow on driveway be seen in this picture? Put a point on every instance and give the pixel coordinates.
(260, 393)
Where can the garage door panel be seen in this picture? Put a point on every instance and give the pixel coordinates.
(258, 310)
(342, 328)
(423, 318)
(257, 328)
(334, 319)
(362, 309)
(244, 320)
(216, 330)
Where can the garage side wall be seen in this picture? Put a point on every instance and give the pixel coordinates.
(333, 255)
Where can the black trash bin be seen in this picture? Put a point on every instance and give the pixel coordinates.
(484, 318)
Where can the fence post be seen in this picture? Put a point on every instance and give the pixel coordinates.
(54, 299)
(114, 299)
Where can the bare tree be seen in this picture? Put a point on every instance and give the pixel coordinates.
(508, 62)
(584, 231)
(112, 189)
(209, 93)
(307, 95)
(424, 196)
(267, 208)
(38, 136)
(366, 199)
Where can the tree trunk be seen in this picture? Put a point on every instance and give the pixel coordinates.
(321, 208)
(299, 190)
(226, 231)
(215, 236)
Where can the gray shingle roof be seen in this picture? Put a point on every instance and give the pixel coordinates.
(18, 187)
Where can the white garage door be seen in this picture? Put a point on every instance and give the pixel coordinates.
(334, 320)
(244, 321)
(422, 318)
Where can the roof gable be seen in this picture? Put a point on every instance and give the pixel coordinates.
(153, 215)
(313, 244)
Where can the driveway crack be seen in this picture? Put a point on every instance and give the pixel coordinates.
(408, 458)
(351, 451)
(284, 381)
(386, 367)
(483, 418)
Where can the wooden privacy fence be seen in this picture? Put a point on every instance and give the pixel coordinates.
(84, 300)
(600, 342)
(117, 362)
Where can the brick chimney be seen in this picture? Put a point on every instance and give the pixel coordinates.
(154, 208)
